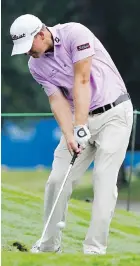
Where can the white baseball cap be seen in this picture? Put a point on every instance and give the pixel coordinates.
(22, 31)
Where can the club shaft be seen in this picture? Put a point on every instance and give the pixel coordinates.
(57, 198)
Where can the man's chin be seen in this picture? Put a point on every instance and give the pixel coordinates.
(35, 55)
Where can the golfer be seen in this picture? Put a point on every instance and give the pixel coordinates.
(90, 102)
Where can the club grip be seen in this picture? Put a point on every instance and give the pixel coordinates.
(74, 156)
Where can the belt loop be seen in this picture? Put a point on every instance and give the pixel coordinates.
(104, 109)
(112, 105)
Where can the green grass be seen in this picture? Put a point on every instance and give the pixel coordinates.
(22, 210)
(68, 260)
(28, 179)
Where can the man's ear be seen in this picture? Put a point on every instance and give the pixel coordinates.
(41, 33)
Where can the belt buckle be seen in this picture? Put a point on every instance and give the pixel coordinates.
(111, 106)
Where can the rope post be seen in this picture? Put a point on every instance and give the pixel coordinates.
(132, 158)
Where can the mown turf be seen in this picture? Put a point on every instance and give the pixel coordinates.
(22, 209)
(27, 179)
(68, 260)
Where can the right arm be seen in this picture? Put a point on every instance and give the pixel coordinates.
(62, 112)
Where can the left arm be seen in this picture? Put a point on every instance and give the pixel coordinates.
(82, 90)
(80, 41)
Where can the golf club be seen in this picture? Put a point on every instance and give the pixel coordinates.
(57, 198)
(21, 247)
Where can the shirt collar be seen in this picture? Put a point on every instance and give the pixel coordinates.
(55, 34)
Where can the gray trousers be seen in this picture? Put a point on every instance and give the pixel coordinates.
(110, 133)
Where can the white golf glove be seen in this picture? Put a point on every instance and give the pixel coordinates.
(82, 135)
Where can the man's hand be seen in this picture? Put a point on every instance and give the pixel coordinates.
(79, 140)
(73, 145)
(82, 135)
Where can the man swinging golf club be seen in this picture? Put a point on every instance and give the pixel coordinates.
(90, 102)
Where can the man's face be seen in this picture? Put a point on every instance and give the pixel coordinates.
(40, 45)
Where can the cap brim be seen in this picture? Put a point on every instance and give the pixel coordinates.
(22, 47)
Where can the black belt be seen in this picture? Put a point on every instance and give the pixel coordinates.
(121, 98)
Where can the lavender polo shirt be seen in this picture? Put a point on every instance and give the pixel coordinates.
(54, 70)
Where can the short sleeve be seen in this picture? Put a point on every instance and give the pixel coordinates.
(81, 42)
(48, 87)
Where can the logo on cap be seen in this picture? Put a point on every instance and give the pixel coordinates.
(16, 37)
(33, 32)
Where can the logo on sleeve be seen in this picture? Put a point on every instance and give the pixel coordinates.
(83, 46)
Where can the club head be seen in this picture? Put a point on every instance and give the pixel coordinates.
(35, 250)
